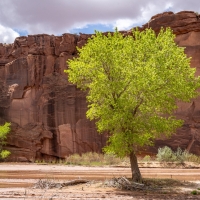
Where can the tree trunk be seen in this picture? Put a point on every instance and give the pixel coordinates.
(136, 175)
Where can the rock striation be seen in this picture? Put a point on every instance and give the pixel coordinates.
(48, 113)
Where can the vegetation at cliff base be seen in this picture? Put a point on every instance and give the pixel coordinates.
(4, 130)
(133, 84)
(166, 154)
(95, 159)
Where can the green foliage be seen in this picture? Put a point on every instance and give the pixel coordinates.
(4, 130)
(4, 154)
(194, 192)
(133, 84)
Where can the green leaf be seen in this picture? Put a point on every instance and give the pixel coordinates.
(133, 84)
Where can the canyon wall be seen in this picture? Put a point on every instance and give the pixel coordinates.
(48, 113)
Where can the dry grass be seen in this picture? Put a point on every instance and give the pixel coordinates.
(165, 158)
(95, 159)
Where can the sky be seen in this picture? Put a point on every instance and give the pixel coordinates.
(28, 17)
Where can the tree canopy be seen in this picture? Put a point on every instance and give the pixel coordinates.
(134, 83)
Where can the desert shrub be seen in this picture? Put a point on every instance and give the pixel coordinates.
(146, 158)
(179, 155)
(189, 157)
(94, 159)
(194, 192)
(112, 159)
(88, 159)
(73, 159)
(165, 154)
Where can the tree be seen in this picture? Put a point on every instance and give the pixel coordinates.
(133, 84)
(4, 130)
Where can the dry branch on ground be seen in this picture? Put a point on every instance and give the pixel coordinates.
(49, 184)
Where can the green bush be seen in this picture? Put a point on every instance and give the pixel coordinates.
(194, 192)
(4, 154)
(4, 130)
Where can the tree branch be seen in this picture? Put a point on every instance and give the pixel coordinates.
(137, 107)
(119, 95)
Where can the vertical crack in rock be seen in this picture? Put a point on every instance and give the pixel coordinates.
(51, 121)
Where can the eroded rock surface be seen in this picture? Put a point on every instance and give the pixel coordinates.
(48, 113)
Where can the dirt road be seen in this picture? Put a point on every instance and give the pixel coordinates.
(16, 181)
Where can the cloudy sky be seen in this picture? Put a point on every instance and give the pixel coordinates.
(27, 17)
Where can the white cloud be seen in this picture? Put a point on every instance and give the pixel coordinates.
(60, 16)
(7, 35)
(80, 25)
(124, 24)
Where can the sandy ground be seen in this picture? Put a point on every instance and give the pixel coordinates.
(17, 181)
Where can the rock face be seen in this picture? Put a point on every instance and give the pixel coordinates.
(48, 113)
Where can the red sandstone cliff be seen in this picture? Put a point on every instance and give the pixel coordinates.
(48, 113)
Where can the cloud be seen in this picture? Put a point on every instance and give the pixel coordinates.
(7, 35)
(61, 16)
(123, 24)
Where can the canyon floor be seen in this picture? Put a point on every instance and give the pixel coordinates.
(18, 181)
